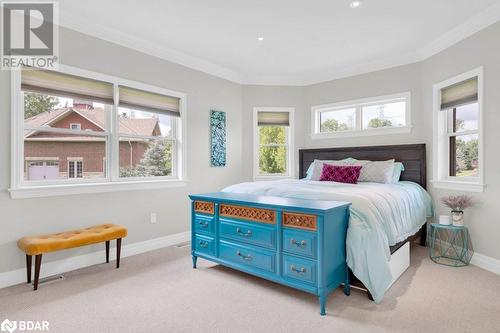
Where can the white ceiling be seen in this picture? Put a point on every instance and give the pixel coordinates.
(304, 41)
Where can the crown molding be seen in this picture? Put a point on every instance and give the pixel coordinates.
(473, 25)
(335, 73)
(94, 29)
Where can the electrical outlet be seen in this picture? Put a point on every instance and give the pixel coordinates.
(153, 218)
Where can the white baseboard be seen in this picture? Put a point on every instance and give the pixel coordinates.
(485, 262)
(65, 265)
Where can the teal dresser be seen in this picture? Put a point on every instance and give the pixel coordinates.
(297, 243)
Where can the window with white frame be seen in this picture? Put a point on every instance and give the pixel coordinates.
(458, 132)
(75, 126)
(75, 168)
(273, 138)
(369, 116)
(57, 115)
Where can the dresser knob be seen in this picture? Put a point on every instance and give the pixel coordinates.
(294, 269)
(301, 243)
(245, 257)
(244, 234)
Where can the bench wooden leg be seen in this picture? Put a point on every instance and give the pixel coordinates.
(28, 268)
(38, 262)
(118, 250)
(107, 251)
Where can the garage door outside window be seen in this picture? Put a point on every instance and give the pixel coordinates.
(43, 170)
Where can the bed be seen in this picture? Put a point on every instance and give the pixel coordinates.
(384, 217)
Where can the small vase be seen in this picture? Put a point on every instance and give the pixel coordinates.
(458, 218)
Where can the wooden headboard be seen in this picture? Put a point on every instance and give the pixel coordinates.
(412, 156)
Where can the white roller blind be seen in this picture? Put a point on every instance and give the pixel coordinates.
(273, 119)
(64, 85)
(464, 92)
(147, 101)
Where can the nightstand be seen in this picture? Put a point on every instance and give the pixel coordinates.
(450, 245)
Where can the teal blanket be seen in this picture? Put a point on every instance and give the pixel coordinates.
(381, 216)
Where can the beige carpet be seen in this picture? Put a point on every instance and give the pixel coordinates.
(159, 292)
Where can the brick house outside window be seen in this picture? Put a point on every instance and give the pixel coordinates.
(58, 156)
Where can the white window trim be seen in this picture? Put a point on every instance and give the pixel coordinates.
(290, 135)
(357, 104)
(441, 180)
(23, 189)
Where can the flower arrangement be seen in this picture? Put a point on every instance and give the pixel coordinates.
(458, 203)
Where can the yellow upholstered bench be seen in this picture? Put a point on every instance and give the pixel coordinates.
(38, 245)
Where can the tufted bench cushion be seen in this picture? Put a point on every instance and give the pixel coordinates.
(35, 245)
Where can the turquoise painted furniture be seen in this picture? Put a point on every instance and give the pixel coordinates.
(297, 243)
(450, 245)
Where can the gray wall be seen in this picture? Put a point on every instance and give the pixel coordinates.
(42, 215)
(480, 49)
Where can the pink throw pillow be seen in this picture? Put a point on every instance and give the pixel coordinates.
(340, 174)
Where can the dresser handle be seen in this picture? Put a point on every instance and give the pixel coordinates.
(247, 234)
(246, 257)
(294, 269)
(203, 244)
(203, 224)
(294, 242)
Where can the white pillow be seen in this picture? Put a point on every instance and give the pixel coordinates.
(376, 171)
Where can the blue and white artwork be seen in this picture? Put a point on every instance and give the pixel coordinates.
(218, 138)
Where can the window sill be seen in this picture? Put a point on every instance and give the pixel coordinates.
(458, 186)
(361, 133)
(71, 189)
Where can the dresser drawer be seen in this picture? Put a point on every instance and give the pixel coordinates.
(299, 269)
(204, 207)
(247, 256)
(204, 244)
(299, 242)
(248, 213)
(248, 232)
(299, 221)
(204, 224)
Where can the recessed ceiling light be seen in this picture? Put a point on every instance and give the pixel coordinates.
(356, 4)
(260, 39)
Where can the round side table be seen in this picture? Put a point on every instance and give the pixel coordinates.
(450, 245)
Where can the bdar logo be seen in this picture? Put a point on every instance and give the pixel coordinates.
(8, 326)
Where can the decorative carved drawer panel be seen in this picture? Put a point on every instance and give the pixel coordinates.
(248, 213)
(204, 207)
(299, 221)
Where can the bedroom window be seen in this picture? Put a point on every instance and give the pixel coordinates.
(273, 149)
(71, 112)
(369, 116)
(458, 132)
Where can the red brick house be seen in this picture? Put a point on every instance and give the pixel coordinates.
(56, 155)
